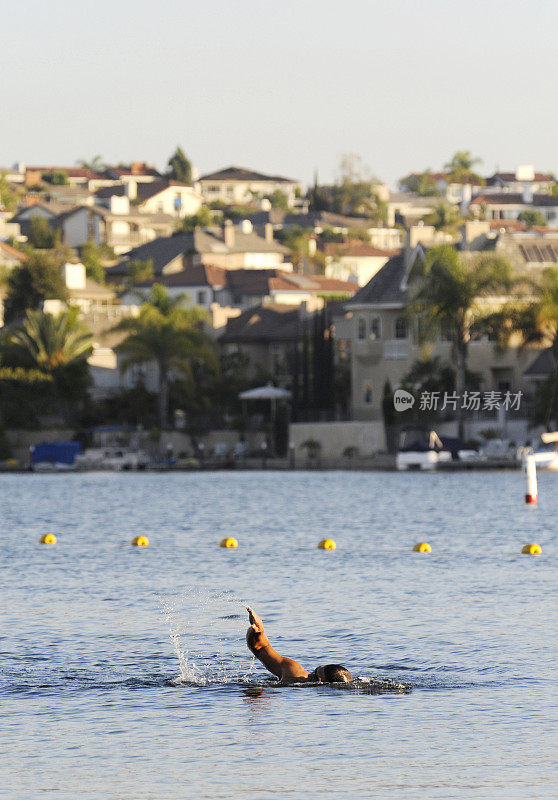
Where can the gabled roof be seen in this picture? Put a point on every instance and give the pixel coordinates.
(52, 208)
(543, 365)
(144, 190)
(160, 251)
(269, 322)
(242, 174)
(387, 285)
(98, 210)
(212, 240)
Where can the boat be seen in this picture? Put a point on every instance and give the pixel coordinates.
(112, 459)
(55, 456)
(546, 458)
(423, 449)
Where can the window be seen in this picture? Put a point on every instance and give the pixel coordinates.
(200, 298)
(361, 328)
(400, 328)
(375, 328)
(367, 395)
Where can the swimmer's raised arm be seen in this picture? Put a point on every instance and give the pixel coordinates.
(286, 669)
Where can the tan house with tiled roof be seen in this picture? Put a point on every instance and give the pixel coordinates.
(238, 185)
(354, 260)
(509, 205)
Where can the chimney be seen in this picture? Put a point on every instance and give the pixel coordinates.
(268, 232)
(137, 167)
(131, 189)
(228, 233)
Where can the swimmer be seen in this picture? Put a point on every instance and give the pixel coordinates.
(286, 669)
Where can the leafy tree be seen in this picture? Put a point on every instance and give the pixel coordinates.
(420, 183)
(278, 199)
(8, 198)
(532, 218)
(38, 279)
(170, 334)
(202, 219)
(95, 164)
(41, 235)
(138, 271)
(447, 294)
(460, 168)
(444, 217)
(180, 167)
(91, 258)
(58, 177)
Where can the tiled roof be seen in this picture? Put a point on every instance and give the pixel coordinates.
(71, 172)
(211, 240)
(386, 286)
(270, 322)
(356, 249)
(514, 198)
(136, 168)
(510, 177)
(241, 174)
(199, 275)
(8, 251)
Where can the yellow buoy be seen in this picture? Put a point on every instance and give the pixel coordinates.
(327, 544)
(140, 541)
(422, 547)
(532, 549)
(48, 538)
(228, 541)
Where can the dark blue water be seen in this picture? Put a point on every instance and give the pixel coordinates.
(95, 633)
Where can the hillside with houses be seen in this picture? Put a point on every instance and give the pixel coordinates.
(187, 291)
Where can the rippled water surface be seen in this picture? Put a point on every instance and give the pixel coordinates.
(124, 673)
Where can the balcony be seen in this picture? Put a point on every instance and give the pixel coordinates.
(396, 349)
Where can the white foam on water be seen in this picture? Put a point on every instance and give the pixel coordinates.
(203, 625)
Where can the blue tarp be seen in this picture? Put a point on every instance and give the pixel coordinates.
(55, 452)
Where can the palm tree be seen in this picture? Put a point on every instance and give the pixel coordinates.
(95, 164)
(534, 322)
(51, 343)
(447, 296)
(169, 333)
(460, 168)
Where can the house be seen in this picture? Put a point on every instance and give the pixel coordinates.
(509, 205)
(238, 185)
(354, 260)
(381, 340)
(268, 335)
(226, 293)
(154, 197)
(137, 171)
(118, 226)
(524, 177)
(408, 208)
(228, 246)
(24, 216)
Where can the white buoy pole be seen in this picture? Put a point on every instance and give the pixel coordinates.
(531, 470)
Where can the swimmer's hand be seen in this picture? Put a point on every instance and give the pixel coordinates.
(255, 636)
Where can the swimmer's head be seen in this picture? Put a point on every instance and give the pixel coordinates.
(331, 673)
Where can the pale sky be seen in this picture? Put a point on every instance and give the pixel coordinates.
(281, 87)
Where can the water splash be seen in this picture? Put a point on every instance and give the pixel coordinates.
(205, 628)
